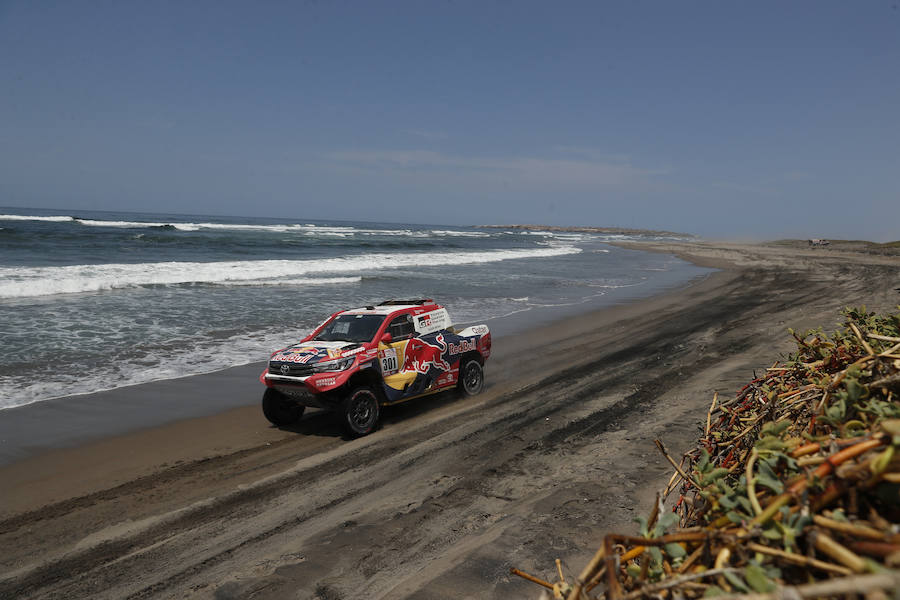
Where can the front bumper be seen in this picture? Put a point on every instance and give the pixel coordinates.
(297, 390)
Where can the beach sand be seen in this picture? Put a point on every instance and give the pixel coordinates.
(450, 493)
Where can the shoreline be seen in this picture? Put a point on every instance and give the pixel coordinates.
(71, 421)
(450, 492)
(583, 229)
(110, 424)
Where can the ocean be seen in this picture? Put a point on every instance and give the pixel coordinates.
(92, 300)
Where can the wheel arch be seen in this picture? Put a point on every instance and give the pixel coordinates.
(471, 355)
(367, 377)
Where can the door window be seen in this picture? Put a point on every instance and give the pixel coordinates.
(402, 328)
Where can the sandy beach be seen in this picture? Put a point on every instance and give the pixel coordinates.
(449, 493)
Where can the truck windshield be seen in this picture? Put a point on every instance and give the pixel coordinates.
(351, 328)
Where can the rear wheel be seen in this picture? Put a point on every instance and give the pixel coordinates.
(471, 378)
(360, 411)
(279, 409)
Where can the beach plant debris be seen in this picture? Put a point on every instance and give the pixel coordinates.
(793, 489)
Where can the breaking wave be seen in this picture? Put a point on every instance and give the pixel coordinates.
(337, 231)
(23, 282)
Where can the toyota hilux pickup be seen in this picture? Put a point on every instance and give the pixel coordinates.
(362, 359)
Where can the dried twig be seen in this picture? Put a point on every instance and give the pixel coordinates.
(531, 578)
(674, 582)
(855, 585)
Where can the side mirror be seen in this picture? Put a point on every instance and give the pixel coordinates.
(387, 338)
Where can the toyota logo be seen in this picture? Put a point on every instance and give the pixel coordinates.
(285, 369)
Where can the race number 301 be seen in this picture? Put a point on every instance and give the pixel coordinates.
(389, 361)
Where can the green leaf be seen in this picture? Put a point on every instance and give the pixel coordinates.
(770, 443)
(780, 427)
(642, 530)
(665, 521)
(838, 515)
(768, 478)
(656, 556)
(703, 461)
(633, 570)
(713, 476)
(772, 533)
(757, 579)
(735, 517)
(727, 502)
(736, 581)
(854, 389)
(713, 591)
(675, 550)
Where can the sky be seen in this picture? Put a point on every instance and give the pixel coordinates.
(751, 120)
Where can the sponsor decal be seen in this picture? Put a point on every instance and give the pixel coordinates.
(294, 358)
(463, 346)
(421, 355)
(479, 329)
(445, 380)
(334, 353)
(354, 351)
(389, 364)
(325, 382)
(432, 321)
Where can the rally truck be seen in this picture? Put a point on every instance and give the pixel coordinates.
(362, 359)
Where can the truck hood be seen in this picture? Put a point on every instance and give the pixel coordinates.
(314, 352)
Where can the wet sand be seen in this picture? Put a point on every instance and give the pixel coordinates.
(450, 492)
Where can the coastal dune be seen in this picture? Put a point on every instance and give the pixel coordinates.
(450, 493)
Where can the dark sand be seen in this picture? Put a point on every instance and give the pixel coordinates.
(450, 492)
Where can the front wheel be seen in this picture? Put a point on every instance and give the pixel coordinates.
(360, 411)
(279, 409)
(471, 378)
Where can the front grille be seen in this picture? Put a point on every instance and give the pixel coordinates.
(294, 369)
(301, 395)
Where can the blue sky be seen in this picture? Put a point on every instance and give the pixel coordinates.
(748, 120)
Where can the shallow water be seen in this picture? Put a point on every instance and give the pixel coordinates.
(98, 300)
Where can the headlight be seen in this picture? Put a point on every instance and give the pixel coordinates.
(341, 364)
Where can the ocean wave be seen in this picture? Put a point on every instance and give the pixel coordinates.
(298, 281)
(453, 233)
(59, 219)
(22, 282)
(308, 229)
(193, 358)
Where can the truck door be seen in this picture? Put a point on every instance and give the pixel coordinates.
(392, 357)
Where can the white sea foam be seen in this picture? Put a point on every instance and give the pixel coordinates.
(308, 229)
(453, 233)
(196, 357)
(300, 281)
(21, 282)
(58, 219)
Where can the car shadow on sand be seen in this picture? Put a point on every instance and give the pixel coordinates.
(325, 423)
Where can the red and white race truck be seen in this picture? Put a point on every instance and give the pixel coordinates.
(364, 358)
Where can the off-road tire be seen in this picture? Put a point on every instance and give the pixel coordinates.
(360, 411)
(471, 378)
(279, 409)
